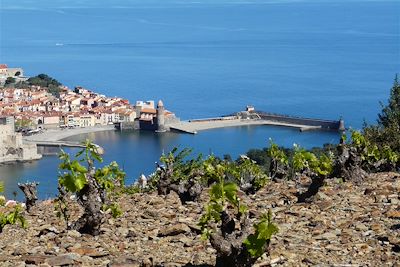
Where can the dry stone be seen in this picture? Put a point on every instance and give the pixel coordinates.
(344, 225)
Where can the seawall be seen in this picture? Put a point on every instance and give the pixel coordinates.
(247, 118)
(324, 124)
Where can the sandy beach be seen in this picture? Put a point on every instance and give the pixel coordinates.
(60, 134)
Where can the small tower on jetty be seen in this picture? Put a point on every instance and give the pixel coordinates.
(160, 117)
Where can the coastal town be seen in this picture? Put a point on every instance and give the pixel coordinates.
(34, 107)
(42, 106)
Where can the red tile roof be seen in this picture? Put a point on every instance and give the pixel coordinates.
(149, 110)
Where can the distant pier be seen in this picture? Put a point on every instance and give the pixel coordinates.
(252, 117)
(61, 144)
(57, 144)
(54, 138)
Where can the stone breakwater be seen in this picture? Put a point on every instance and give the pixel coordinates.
(193, 127)
(252, 117)
(345, 225)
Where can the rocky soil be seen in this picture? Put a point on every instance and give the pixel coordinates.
(344, 225)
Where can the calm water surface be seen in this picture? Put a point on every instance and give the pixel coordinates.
(311, 58)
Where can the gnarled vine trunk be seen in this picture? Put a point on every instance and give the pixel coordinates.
(313, 188)
(277, 170)
(348, 164)
(187, 190)
(30, 192)
(91, 198)
(228, 242)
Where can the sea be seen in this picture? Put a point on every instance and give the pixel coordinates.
(322, 59)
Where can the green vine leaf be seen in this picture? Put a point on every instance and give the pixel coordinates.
(74, 183)
(264, 230)
(230, 190)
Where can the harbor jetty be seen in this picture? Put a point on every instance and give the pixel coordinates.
(159, 120)
(54, 138)
(56, 144)
(252, 117)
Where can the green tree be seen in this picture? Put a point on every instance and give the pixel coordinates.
(43, 80)
(260, 156)
(390, 114)
(9, 81)
(387, 131)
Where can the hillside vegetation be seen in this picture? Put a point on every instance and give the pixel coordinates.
(43, 80)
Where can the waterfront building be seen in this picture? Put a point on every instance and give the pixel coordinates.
(87, 120)
(51, 120)
(6, 72)
(146, 105)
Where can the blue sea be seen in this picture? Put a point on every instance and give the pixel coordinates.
(321, 59)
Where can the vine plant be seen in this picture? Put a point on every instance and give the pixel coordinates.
(179, 175)
(361, 155)
(317, 168)
(246, 173)
(304, 161)
(279, 165)
(10, 217)
(227, 225)
(94, 188)
(300, 162)
(374, 158)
